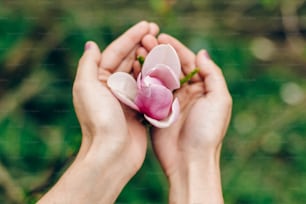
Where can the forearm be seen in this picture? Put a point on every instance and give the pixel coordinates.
(198, 182)
(89, 179)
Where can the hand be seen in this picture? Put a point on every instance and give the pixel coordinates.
(113, 141)
(98, 111)
(189, 150)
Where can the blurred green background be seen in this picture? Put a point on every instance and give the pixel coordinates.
(260, 46)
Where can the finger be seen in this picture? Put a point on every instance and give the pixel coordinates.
(136, 68)
(103, 75)
(187, 57)
(89, 62)
(188, 94)
(141, 51)
(149, 42)
(154, 29)
(122, 46)
(127, 64)
(213, 78)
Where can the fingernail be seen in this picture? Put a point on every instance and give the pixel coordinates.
(206, 55)
(87, 46)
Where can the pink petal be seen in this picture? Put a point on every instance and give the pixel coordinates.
(124, 87)
(170, 119)
(162, 54)
(147, 81)
(166, 75)
(154, 100)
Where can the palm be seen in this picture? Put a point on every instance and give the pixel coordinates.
(128, 132)
(193, 132)
(205, 111)
(170, 143)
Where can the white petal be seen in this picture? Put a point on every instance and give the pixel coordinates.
(124, 87)
(165, 74)
(162, 54)
(169, 120)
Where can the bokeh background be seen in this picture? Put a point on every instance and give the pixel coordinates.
(260, 46)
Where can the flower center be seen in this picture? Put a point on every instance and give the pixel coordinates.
(151, 80)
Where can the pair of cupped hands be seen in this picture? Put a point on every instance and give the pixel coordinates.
(114, 140)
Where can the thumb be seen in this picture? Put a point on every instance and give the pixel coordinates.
(89, 62)
(211, 74)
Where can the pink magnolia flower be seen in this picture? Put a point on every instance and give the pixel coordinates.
(152, 93)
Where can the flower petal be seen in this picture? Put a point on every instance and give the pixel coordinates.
(124, 87)
(170, 119)
(166, 75)
(162, 54)
(154, 100)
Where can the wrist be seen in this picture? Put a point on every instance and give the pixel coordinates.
(196, 181)
(86, 181)
(108, 178)
(93, 177)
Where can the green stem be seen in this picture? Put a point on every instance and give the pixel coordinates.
(140, 60)
(189, 76)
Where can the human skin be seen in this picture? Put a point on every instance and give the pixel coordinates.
(189, 150)
(114, 142)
